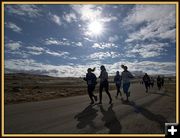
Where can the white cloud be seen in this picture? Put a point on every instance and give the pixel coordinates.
(14, 45)
(56, 19)
(14, 27)
(113, 38)
(79, 44)
(62, 42)
(109, 19)
(159, 22)
(21, 53)
(149, 13)
(87, 12)
(103, 45)
(99, 55)
(35, 50)
(92, 12)
(147, 50)
(60, 53)
(24, 10)
(32, 66)
(70, 17)
(39, 50)
(53, 41)
(103, 55)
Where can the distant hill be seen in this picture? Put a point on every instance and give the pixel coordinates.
(44, 73)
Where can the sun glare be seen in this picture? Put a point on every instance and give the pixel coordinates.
(95, 28)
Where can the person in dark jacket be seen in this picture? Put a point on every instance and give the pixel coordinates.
(91, 84)
(104, 84)
(117, 80)
(146, 80)
(159, 82)
(152, 82)
(162, 81)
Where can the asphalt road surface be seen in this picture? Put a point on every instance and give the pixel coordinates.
(146, 113)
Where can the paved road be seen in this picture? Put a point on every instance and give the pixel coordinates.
(145, 113)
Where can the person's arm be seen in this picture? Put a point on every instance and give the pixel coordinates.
(105, 75)
(85, 78)
(94, 79)
(121, 78)
(130, 75)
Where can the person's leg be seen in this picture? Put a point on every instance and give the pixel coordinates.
(107, 91)
(125, 89)
(90, 94)
(117, 91)
(128, 92)
(100, 92)
(93, 88)
(146, 86)
(159, 86)
(120, 90)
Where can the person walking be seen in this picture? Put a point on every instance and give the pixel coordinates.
(159, 82)
(126, 76)
(146, 80)
(91, 83)
(117, 80)
(152, 82)
(162, 81)
(104, 84)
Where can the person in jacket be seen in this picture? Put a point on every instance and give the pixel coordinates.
(146, 80)
(159, 82)
(91, 83)
(104, 84)
(126, 76)
(117, 81)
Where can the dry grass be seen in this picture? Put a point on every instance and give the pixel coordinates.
(26, 88)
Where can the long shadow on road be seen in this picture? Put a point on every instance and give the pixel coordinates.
(110, 119)
(86, 117)
(161, 120)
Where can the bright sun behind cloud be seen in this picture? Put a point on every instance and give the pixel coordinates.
(95, 28)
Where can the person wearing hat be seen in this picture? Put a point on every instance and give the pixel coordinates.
(104, 84)
(91, 83)
(117, 80)
(126, 76)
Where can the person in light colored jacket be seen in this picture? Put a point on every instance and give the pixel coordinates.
(126, 76)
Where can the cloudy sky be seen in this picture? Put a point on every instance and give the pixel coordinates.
(65, 40)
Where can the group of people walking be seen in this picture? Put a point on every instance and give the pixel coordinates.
(91, 80)
(149, 82)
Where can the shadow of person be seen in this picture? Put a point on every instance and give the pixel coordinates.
(127, 102)
(86, 117)
(110, 119)
(161, 120)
